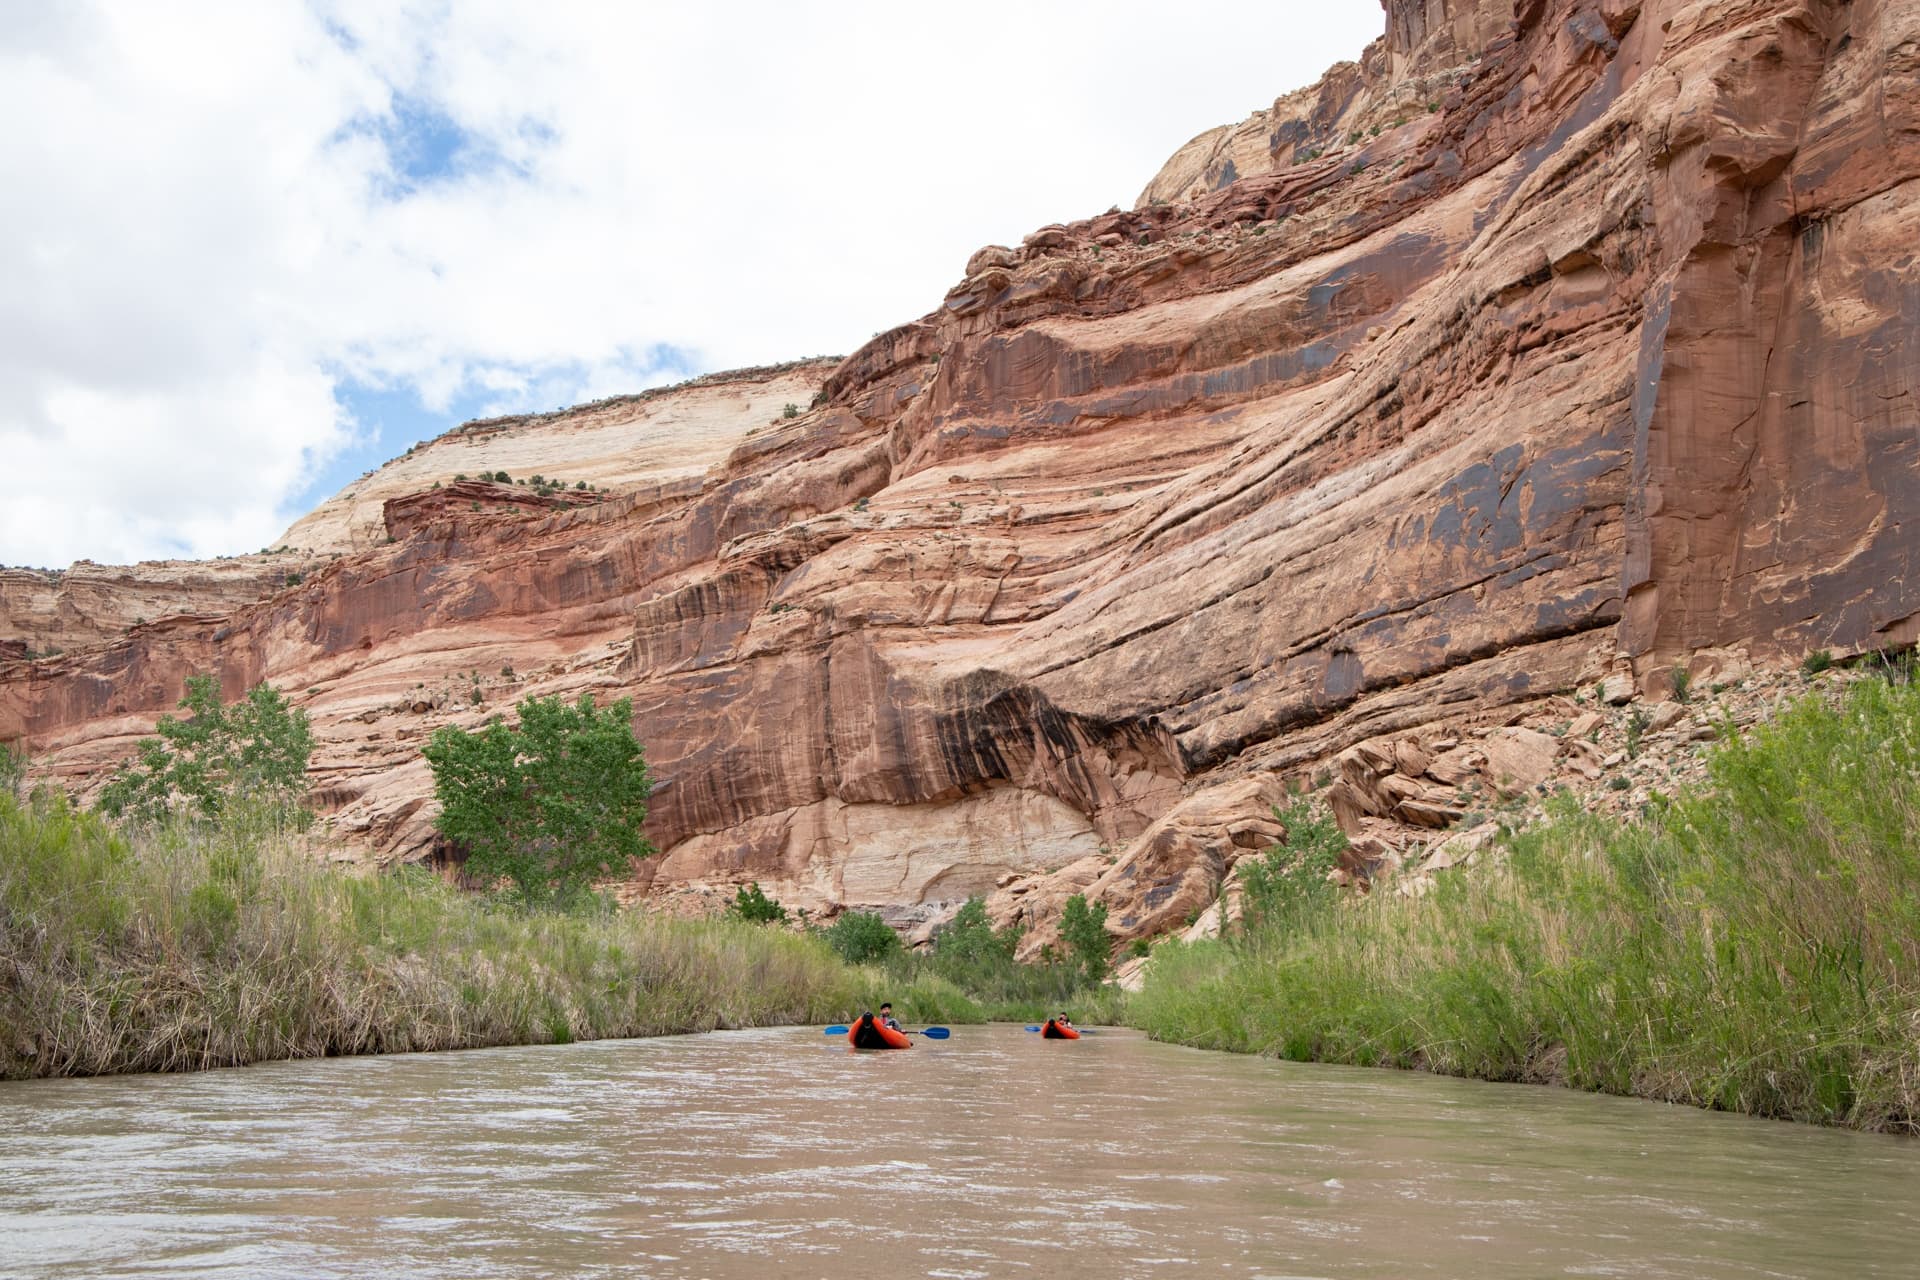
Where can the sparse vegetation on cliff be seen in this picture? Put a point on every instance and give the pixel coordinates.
(1753, 947)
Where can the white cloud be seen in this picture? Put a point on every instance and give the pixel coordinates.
(208, 220)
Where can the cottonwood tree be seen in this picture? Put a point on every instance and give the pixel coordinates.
(219, 759)
(549, 805)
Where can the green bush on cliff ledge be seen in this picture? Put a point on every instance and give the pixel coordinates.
(1083, 927)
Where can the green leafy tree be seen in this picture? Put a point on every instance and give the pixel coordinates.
(1083, 927)
(551, 804)
(219, 759)
(755, 907)
(861, 937)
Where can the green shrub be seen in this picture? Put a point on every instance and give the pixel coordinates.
(790, 411)
(1637, 724)
(1083, 928)
(753, 905)
(1817, 661)
(13, 769)
(861, 937)
(1287, 886)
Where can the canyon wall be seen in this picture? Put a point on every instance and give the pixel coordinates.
(1599, 365)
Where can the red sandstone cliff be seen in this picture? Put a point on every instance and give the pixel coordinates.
(1603, 366)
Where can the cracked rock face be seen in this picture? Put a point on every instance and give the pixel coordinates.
(1596, 356)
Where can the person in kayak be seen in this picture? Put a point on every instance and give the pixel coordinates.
(886, 1014)
(869, 1032)
(1059, 1028)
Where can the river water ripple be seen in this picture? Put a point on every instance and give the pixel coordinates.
(780, 1153)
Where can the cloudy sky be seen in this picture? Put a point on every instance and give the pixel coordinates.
(252, 249)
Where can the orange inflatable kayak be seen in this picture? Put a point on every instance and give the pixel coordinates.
(871, 1033)
(1054, 1031)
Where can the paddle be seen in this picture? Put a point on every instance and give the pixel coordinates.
(931, 1033)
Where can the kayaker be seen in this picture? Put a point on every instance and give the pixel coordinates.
(1059, 1028)
(886, 1014)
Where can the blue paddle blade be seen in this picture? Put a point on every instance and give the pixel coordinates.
(1033, 1028)
(934, 1033)
(836, 1031)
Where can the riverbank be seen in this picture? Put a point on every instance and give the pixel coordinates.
(1752, 945)
(198, 946)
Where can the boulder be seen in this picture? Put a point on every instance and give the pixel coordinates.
(1519, 759)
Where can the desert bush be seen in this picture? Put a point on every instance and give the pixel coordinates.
(752, 905)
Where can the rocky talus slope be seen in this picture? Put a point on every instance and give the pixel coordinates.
(1598, 366)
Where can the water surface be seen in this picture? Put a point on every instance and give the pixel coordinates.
(780, 1153)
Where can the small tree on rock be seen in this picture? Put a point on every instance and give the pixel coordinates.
(550, 805)
(13, 769)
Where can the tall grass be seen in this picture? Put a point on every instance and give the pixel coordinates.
(1753, 946)
(199, 946)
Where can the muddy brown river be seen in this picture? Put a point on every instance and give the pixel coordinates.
(780, 1153)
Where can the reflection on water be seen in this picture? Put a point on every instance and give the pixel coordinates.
(994, 1153)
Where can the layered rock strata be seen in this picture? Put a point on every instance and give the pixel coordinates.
(46, 611)
(1603, 365)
